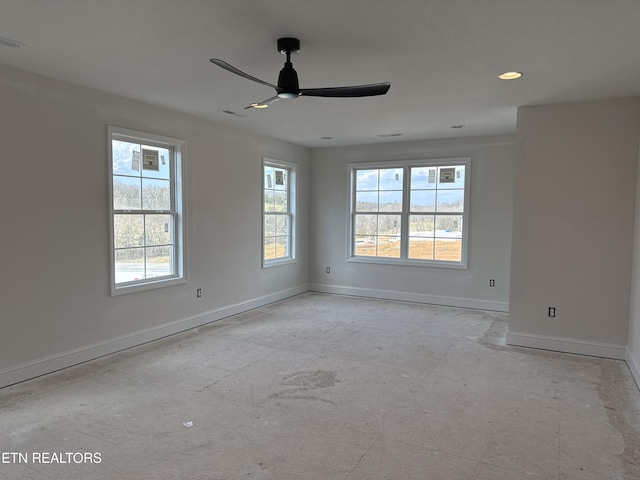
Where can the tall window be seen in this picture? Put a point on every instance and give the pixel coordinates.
(146, 210)
(410, 212)
(279, 201)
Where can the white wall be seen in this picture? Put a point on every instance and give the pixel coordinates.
(492, 170)
(633, 347)
(55, 306)
(573, 226)
(573, 218)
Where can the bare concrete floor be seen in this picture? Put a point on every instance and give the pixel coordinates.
(329, 387)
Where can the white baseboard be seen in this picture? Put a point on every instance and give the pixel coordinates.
(634, 366)
(42, 366)
(567, 345)
(412, 297)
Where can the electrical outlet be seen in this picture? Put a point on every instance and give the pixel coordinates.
(552, 312)
(492, 283)
(328, 270)
(199, 293)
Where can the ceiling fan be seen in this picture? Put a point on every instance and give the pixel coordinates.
(288, 86)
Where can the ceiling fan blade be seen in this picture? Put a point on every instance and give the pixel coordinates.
(233, 69)
(353, 91)
(264, 104)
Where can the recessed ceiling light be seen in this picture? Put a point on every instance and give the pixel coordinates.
(259, 105)
(510, 75)
(457, 126)
(326, 138)
(383, 135)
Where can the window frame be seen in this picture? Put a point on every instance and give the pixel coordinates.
(292, 198)
(406, 166)
(177, 209)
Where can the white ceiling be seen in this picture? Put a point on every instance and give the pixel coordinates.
(442, 58)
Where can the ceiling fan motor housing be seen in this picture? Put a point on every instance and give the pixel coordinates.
(288, 86)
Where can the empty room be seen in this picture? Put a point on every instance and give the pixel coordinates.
(275, 239)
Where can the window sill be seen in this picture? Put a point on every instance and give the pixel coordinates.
(276, 263)
(144, 286)
(408, 263)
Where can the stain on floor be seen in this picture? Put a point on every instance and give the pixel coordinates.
(306, 382)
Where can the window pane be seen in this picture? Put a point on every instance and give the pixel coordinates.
(269, 248)
(366, 225)
(158, 229)
(159, 261)
(269, 201)
(156, 194)
(365, 246)
(388, 247)
(280, 201)
(448, 249)
(390, 201)
(282, 225)
(280, 180)
(367, 180)
(276, 247)
(421, 248)
(366, 201)
(127, 193)
(423, 201)
(128, 231)
(421, 225)
(451, 177)
(129, 264)
(268, 177)
(125, 158)
(450, 200)
(161, 169)
(282, 247)
(449, 226)
(269, 225)
(391, 179)
(389, 225)
(423, 178)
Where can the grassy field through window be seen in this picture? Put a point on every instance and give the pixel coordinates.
(447, 250)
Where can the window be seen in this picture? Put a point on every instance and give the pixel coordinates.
(278, 211)
(147, 210)
(410, 212)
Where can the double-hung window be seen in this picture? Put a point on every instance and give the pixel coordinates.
(147, 210)
(411, 212)
(278, 212)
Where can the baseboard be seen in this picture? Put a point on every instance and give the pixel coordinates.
(567, 345)
(412, 297)
(634, 366)
(83, 354)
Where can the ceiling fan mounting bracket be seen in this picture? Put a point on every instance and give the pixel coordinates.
(288, 45)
